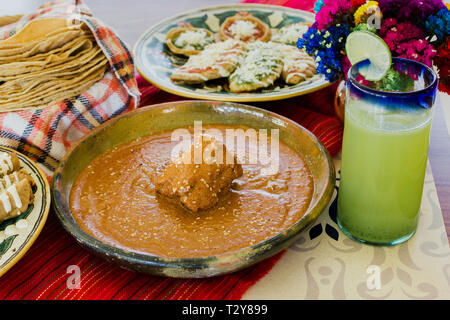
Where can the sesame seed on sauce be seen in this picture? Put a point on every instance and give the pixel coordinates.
(114, 199)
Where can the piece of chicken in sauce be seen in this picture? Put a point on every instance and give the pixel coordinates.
(200, 175)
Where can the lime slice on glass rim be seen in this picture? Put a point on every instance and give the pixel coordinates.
(365, 45)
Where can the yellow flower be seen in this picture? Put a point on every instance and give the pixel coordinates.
(365, 11)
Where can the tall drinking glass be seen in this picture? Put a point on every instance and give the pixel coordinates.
(384, 152)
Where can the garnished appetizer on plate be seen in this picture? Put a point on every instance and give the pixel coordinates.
(297, 64)
(187, 40)
(218, 60)
(260, 68)
(289, 34)
(247, 67)
(16, 187)
(242, 57)
(244, 27)
(188, 55)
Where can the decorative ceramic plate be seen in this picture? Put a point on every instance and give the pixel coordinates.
(18, 234)
(156, 63)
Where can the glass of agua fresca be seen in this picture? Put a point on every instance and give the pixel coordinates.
(385, 150)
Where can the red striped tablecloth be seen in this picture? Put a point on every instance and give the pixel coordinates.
(43, 272)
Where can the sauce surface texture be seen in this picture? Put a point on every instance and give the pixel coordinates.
(114, 200)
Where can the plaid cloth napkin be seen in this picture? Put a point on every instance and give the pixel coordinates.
(42, 272)
(45, 134)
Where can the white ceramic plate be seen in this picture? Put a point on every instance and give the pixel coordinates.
(155, 62)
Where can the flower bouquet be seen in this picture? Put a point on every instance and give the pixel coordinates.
(413, 29)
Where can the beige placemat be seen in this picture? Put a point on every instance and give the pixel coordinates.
(325, 264)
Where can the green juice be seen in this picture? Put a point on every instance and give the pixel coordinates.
(384, 157)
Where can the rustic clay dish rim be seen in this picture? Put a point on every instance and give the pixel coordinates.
(196, 267)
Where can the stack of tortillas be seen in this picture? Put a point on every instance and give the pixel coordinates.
(47, 61)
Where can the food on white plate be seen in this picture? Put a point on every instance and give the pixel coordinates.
(188, 40)
(9, 162)
(16, 187)
(289, 34)
(218, 60)
(260, 68)
(297, 64)
(244, 27)
(242, 59)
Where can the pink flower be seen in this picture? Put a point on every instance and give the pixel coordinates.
(394, 33)
(334, 12)
(418, 50)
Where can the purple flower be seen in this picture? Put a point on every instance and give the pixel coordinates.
(412, 10)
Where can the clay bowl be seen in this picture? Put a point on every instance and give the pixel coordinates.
(155, 118)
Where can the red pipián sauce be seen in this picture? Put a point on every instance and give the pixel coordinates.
(114, 200)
